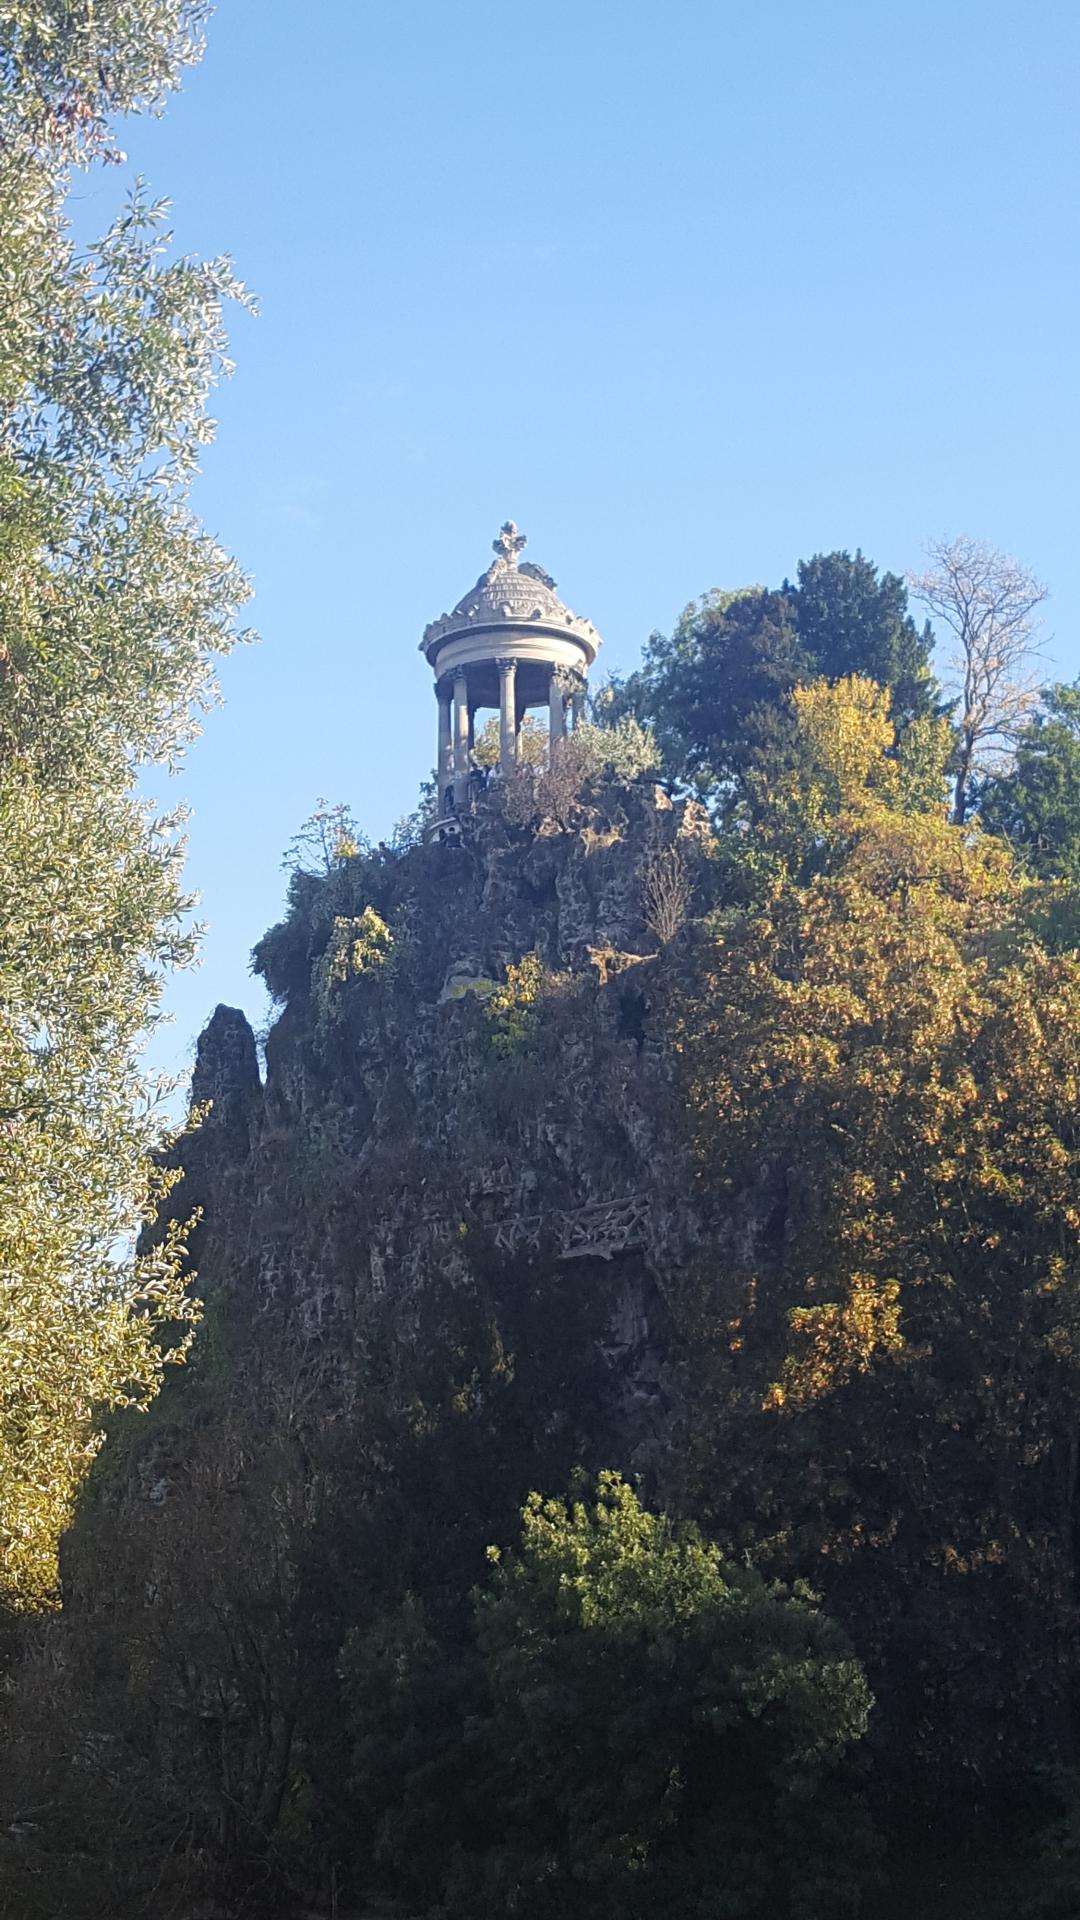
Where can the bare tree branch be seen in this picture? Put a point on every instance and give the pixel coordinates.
(988, 603)
(667, 890)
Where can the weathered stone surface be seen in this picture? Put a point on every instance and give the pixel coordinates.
(393, 1140)
(226, 1074)
(429, 1222)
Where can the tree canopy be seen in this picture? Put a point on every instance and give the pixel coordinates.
(882, 1064)
(718, 689)
(1035, 803)
(113, 602)
(642, 1730)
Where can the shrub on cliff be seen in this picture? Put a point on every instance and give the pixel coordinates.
(553, 784)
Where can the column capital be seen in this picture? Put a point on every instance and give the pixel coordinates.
(506, 665)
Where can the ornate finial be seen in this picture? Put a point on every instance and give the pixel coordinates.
(508, 543)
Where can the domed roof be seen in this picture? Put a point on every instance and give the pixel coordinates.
(512, 593)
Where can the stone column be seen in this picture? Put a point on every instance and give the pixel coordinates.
(508, 721)
(444, 694)
(461, 742)
(577, 704)
(556, 710)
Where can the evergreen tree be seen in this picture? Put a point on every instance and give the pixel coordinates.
(718, 690)
(850, 620)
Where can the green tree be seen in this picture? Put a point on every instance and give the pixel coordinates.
(112, 603)
(552, 782)
(851, 620)
(881, 1063)
(621, 744)
(718, 689)
(532, 742)
(649, 1730)
(327, 837)
(1036, 804)
(624, 749)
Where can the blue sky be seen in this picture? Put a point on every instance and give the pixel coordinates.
(688, 290)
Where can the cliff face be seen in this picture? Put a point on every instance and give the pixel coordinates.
(465, 1066)
(436, 1243)
(462, 1239)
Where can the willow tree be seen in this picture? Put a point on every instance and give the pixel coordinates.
(113, 602)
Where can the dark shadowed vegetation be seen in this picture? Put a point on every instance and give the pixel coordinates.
(625, 1463)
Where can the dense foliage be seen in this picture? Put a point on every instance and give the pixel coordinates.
(883, 1066)
(636, 1729)
(1035, 803)
(112, 602)
(321, 1629)
(863, 1072)
(717, 690)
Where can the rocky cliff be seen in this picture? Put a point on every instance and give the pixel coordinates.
(436, 1240)
(465, 1062)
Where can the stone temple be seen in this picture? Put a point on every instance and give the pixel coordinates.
(510, 644)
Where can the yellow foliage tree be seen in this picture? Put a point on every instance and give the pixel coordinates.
(847, 728)
(532, 743)
(882, 1067)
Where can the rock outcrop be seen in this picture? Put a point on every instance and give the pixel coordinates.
(418, 1113)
